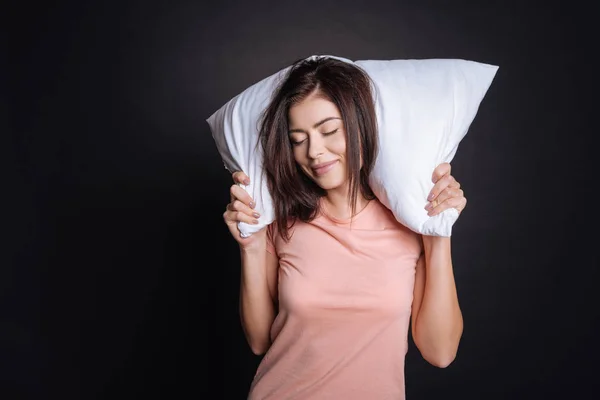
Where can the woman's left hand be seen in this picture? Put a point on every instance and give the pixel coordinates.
(446, 192)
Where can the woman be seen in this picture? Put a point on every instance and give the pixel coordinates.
(330, 288)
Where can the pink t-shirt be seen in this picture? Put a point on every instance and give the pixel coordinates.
(345, 296)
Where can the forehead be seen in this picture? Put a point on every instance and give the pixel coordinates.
(311, 110)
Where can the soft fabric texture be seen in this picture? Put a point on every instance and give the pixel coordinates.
(345, 297)
(424, 109)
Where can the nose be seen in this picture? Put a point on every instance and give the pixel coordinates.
(316, 147)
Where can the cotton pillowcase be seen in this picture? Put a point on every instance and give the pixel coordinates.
(235, 129)
(424, 109)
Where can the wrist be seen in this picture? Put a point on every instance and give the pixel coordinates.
(254, 248)
(435, 242)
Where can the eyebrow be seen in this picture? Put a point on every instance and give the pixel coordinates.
(314, 126)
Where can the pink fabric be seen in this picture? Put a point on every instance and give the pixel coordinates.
(345, 295)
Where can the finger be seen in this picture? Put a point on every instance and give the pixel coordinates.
(454, 183)
(461, 206)
(240, 177)
(446, 194)
(440, 171)
(458, 203)
(231, 217)
(243, 208)
(439, 186)
(239, 193)
(431, 205)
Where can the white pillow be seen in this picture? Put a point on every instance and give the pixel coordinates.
(424, 109)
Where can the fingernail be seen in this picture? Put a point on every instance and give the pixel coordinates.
(255, 221)
(428, 206)
(252, 205)
(247, 181)
(430, 197)
(256, 215)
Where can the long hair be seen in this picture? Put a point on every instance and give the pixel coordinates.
(295, 195)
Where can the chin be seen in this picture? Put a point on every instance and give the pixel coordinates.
(333, 179)
(329, 183)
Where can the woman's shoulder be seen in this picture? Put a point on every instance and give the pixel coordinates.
(385, 217)
(381, 212)
(273, 230)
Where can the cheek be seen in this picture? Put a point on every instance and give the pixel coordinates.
(338, 146)
(299, 153)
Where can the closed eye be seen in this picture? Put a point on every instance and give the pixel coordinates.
(299, 142)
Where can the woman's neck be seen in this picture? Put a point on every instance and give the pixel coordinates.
(337, 204)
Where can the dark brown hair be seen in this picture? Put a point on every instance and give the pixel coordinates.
(295, 195)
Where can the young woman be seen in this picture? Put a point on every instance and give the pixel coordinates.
(331, 287)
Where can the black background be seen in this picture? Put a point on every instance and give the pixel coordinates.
(119, 279)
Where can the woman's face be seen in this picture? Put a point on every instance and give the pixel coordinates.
(319, 141)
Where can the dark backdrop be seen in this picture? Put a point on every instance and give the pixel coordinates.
(119, 279)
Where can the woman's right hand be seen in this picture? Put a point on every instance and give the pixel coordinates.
(241, 209)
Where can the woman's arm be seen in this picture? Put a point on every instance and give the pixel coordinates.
(258, 281)
(437, 322)
(258, 296)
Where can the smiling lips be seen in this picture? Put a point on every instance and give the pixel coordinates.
(324, 168)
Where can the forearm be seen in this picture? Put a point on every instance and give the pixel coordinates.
(439, 325)
(257, 310)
